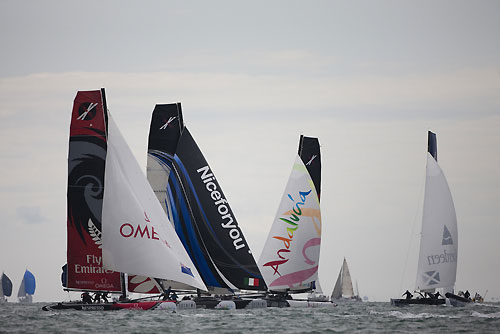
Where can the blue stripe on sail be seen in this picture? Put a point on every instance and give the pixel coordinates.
(197, 256)
(166, 159)
(186, 175)
(194, 251)
(175, 214)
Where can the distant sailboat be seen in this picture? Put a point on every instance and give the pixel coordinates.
(290, 258)
(437, 264)
(343, 289)
(27, 288)
(6, 290)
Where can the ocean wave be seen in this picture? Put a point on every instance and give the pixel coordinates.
(495, 315)
(409, 315)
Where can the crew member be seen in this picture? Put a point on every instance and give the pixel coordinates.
(408, 294)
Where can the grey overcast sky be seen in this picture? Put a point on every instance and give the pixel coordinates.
(369, 78)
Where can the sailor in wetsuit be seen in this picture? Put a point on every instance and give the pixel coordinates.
(166, 294)
(86, 299)
(408, 294)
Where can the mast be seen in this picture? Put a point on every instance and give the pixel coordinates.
(437, 264)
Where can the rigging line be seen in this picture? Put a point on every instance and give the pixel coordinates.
(412, 234)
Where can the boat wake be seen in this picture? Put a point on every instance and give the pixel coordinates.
(409, 315)
(495, 315)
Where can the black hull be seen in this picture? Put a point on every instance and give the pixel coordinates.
(459, 298)
(205, 302)
(241, 303)
(211, 303)
(81, 306)
(132, 305)
(277, 303)
(418, 301)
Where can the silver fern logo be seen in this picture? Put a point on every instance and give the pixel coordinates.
(95, 234)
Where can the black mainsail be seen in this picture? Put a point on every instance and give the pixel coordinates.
(194, 201)
(309, 152)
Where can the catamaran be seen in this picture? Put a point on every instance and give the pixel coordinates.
(192, 197)
(290, 258)
(437, 264)
(115, 223)
(27, 288)
(343, 290)
(6, 290)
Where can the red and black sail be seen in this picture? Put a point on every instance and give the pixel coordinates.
(86, 163)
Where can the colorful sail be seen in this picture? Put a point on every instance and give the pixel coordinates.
(291, 253)
(6, 286)
(137, 238)
(197, 206)
(86, 161)
(437, 264)
(28, 284)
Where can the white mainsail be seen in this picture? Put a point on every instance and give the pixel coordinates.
(291, 253)
(437, 264)
(136, 236)
(343, 287)
(337, 289)
(347, 290)
(22, 289)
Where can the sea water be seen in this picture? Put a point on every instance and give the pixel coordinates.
(352, 317)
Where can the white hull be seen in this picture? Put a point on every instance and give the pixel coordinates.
(306, 303)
